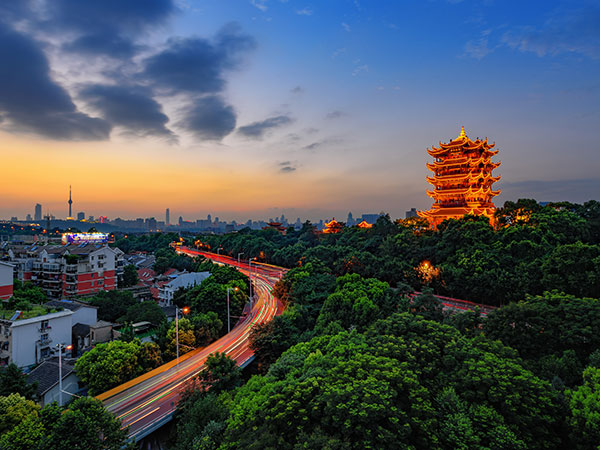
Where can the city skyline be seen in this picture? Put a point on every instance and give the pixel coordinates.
(311, 110)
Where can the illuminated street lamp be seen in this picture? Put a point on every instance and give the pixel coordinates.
(185, 311)
(228, 316)
(60, 389)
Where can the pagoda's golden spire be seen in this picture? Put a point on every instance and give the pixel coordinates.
(462, 132)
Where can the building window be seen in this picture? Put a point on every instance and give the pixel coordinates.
(45, 352)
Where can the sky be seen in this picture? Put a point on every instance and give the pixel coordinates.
(253, 108)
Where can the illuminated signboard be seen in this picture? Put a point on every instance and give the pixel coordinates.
(88, 238)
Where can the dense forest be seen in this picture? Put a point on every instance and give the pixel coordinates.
(364, 354)
(356, 362)
(531, 250)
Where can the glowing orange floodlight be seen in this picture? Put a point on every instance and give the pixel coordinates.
(186, 310)
(69, 347)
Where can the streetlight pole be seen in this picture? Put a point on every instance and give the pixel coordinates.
(60, 402)
(239, 265)
(60, 389)
(177, 331)
(218, 250)
(250, 278)
(228, 316)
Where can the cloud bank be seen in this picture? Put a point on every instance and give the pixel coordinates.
(130, 79)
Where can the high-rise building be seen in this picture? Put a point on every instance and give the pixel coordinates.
(411, 213)
(70, 203)
(168, 217)
(462, 179)
(80, 216)
(350, 220)
(37, 215)
(28, 218)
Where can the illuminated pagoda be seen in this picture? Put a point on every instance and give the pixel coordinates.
(275, 226)
(333, 227)
(364, 224)
(462, 179)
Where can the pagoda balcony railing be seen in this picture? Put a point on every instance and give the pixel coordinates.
(452, 205)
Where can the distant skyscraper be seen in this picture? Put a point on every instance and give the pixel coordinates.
(38, 212)
(70, 202)
(168, 217)
(81, 216)
(349, 220)
(180, 221)
(28, 218)
(411, 213)
(370, 218)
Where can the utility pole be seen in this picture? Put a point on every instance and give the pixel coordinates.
(228, 316)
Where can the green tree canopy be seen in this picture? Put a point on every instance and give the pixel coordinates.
(407, 382)
(14, 381)
(584, 403)
(220, 374)
(108, 365)
(130, 276)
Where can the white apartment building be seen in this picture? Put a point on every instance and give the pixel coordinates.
(184, 280)
(26, 342)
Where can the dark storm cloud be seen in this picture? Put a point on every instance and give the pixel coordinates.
(11, 11)
(107, 26)
(197, 65)
(318, 144)
(130, 107)
(209, 118)
(257, 130)
(313, 146)
(335, 114)
(286, 167)
(31, 101)
(114, 45)
(566, 30)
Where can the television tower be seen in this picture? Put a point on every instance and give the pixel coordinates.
(70, 202)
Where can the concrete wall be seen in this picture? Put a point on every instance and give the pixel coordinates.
(26, 349)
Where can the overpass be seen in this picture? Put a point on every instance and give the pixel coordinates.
(146, 403)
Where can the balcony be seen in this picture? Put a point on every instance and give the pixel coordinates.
(51, 268)
(45, 340)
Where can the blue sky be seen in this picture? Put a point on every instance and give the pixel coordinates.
(250, 108)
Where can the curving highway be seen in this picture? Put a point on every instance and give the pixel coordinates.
(147, 402)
